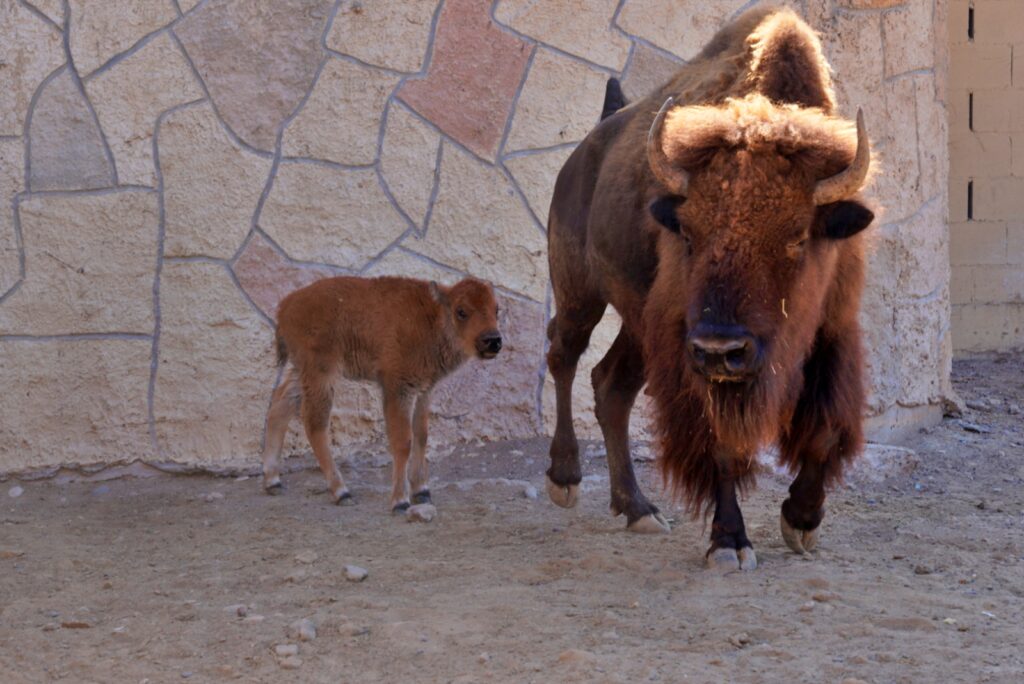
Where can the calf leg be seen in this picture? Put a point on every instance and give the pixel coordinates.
(418, 472)
(569, 332)
(730, 548)
(284, 405)
(617, 379)
(396, 419)
(823, 436)
(317, 398)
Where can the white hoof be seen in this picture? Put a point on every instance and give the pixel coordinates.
(273, 486)
(653, 523)
(748, 559)
(564, 496)
(343, 497)
(799, 541)
(723, 560)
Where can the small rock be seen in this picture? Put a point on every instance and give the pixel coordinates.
(853, 680)
(285, 650)
(644, 453)
(922, 570)
(75, 624)
(307, 557)
(530, 492)
(242, 611)
(575, 656)
(975, 427)
(483, 658)
(739, 640)
(108, 585)
(978, 405)
(420, 513)
(296, 577)
(1014, 409)
(303, 630)
(101, 490)
(354, 573)
(807, 607)
(186, 675)
(15, 491)
(253, 619)
(291, 662)
(7, 554)
(213, 496)
(241, 478)
(51, 627)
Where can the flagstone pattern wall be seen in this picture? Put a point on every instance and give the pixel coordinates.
(170, 168)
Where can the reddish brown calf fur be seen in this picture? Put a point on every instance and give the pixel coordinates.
(403, 334)
(725, 230)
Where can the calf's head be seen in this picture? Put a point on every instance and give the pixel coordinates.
(473, 311)
(755, 199)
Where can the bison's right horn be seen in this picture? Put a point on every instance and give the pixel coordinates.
(847, 182)
(675, 179)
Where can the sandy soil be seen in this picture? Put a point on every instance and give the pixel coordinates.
(919, 577)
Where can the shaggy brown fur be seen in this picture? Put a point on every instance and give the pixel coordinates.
(405, 335)
(746, 247)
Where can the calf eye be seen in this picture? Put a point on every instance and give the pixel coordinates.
(461, 314)
(798, 246)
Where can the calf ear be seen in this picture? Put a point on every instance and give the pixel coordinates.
(839, 220)
(663, 210)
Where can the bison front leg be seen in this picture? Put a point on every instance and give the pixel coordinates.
(730, 547)
(569, 332)
(617, 380)
(418, 468)
(824, 435)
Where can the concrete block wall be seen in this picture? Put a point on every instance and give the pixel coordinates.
(986, 176)
(170, 168)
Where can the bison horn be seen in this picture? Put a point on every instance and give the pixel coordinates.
(847, 182)
(675, 179)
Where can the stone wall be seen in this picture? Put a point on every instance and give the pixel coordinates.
(170, 168)
(986, 173)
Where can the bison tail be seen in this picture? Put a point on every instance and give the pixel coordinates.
(614, 99)
(282, 349)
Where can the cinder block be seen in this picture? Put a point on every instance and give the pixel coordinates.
(980, 154)
(998, 21)
(975, 65)
(1017, 105)
(957, 199)
(1015, 242)
(1017, 169)
(998, 284)
(998, 198)
(1018, 65)
(987, 327)
(992, 110)
(977, 243)
(958, 21)
(961, 285)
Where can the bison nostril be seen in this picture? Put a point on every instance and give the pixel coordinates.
(723, 352)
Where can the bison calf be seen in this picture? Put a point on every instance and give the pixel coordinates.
(403, 334)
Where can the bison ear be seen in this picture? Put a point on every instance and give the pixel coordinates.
(437, 294)
(663, 210)
(839, 220)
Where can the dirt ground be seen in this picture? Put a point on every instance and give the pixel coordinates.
(919, 577)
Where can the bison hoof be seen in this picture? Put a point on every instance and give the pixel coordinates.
(274, 487)
(421, 497)
(344, 498)
(653, 523)
(799, 541)
(565, 496)
(722, 560)
(748, 559)
(400, 508)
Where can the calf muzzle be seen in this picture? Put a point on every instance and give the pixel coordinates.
(489, 344)
(723, 353)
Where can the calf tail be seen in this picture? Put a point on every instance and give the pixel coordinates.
(614, 99)
(282, 349)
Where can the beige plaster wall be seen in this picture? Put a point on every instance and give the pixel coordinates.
(170, 168)
(986, 177)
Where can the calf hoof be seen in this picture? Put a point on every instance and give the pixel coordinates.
(400, 508)
(748, 559)
(274, 487)
(799, 541)
(653, 523)
(566, 496)
(421, 497)
(344, 498)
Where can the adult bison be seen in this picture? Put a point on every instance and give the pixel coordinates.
(725, 231)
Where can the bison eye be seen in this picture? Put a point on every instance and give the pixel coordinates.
(461, 314)
(797, 246)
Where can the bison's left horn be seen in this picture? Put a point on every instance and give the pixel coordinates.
(675, 179)
(847, 182)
